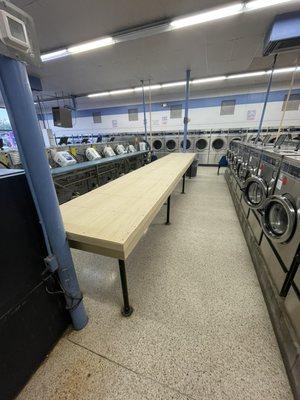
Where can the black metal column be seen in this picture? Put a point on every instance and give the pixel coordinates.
(168, 210)
(183, 184)
(127, 310)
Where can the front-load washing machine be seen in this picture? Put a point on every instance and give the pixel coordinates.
(280, 221)
(158, 143)
(259, 187)
(218, 148)
(188, 143)
(171, 143)
(254, 157)
(202, 142)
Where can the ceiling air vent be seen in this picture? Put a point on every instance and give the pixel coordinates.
(284, 34)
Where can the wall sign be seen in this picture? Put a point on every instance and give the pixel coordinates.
(251, 115)
(164, 120)
(114, 123)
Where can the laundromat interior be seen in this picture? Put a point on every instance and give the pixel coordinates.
(150, 200)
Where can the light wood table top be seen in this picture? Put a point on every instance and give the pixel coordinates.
(111, 220)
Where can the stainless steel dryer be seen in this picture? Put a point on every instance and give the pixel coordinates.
(158, 143)
(280, 221)
(171, 143)
(241, 168)
(188, 143)
(259, 187)
(202, 142)
(292, 303)
(255, 154)
(218, 148)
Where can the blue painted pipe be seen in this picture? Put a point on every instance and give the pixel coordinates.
(186, 110)
(16, 92)
(266, 100)
(144, 110)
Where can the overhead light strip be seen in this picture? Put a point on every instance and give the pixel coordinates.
(177, 23)
(199, 81)
(208, 16)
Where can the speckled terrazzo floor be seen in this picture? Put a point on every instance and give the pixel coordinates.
(200, 329)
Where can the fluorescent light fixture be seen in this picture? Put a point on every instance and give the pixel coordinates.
(208, 80)
(283, 70)
(121, 91)
(246, 75)
(94, 44)
(257, 4)
(146, 87)
(54, 55)
(173, 84)
(207, 16)
(102, 94)
(195, 81)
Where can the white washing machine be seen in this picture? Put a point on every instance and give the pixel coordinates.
(201, 145)
(171, 143)
(218, 148)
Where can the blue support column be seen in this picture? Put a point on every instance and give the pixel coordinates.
(16, 92)
(266, 100)
(144, 110)
(186, 110)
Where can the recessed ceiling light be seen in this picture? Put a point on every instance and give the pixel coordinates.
(94, 44)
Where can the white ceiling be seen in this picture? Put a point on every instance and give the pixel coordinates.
(230, 45)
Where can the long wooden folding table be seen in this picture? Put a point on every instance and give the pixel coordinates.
(112, 219)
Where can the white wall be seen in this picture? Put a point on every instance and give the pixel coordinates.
(202, 117)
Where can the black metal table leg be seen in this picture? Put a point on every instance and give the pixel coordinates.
(183, 184)
(190, 172)
(168, 210)
(127, 310)
(290, 277)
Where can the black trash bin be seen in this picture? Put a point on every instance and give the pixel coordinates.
(193, 169)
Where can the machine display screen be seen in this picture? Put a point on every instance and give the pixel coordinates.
(16, 29)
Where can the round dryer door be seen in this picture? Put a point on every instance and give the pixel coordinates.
(242, 170)
(201, 144)
(171, 144)
(279, 219)
(255, 192)
(218, 144)
(157, 144)
(188, 144)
